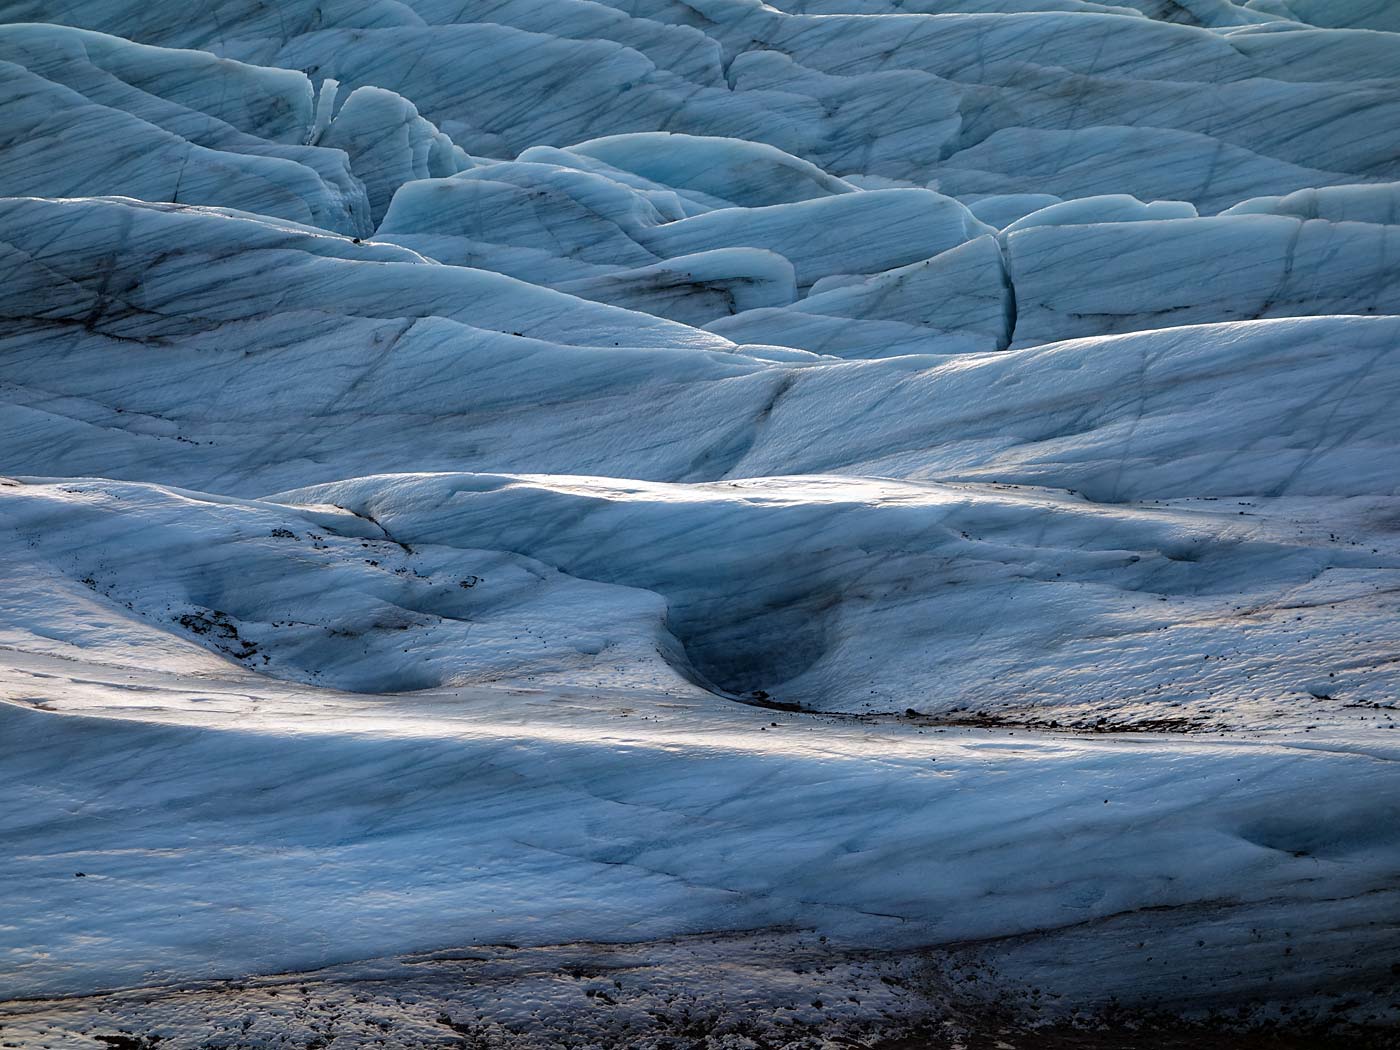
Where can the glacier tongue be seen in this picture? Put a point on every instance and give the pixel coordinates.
(825, 496)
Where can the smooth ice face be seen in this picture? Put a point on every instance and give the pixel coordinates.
(542, 471)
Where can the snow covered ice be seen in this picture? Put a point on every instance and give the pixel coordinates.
(623, 523)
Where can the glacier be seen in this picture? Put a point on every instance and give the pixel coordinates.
(717, 524)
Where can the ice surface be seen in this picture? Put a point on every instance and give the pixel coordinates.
(89, 114)
(388, 144)
(745, 174)
(332, 834)
(959, 301)
(1378, 203)
(1025, 95)
(697, 288)
(1089, 211)
(878, 483)
(898, 227)
(1193, 270)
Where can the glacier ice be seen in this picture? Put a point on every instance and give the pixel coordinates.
(904, 485)
(387, 142)
(957, 301)
(1197, 269)
(91, 115)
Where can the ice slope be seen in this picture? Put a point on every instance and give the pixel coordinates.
(928, 290)
(387, 142)
(578, 223)
(133, 270)
(74, 126)
(1116, 157)
(534, 471)
(1217, 14)
(918, 273)
(827, 593)
(88, 114)
(1193, 270)
(1378, 204)
(226, 353)
(326, 597)
(335, 830)
(512, 217)
(958, 301)
(598, 219)
(1360, 14)
(696, 288)
(93, 115)
(984, 97)
(734, 172)
(1102, 265)
(1276, 421)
